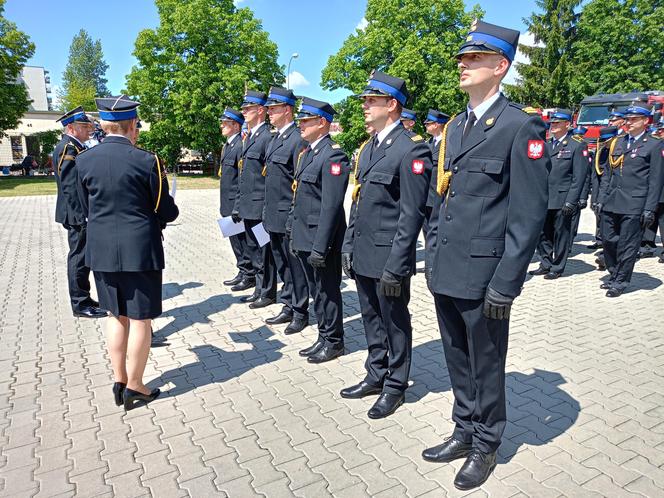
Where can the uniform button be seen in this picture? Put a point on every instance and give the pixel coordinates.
(444, 241)
(453, 193)
(494, 252)
(619, 186)
(448, 217)
(483, 168)
(455, 169)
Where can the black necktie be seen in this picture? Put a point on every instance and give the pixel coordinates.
(469, 126)
(374, 146)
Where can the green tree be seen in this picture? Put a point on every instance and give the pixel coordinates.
(15, 50)
(84, 77)
(199, 60)
(546, 80)
(619, 47)
(411, 39)
(47, 141)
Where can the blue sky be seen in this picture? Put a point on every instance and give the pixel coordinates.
(52, 24)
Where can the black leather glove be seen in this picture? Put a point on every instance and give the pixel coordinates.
(428, 273)
(583, 204)
(597, 208)
(647, 219)
(497, 306)
(316, 259)
(390, 285)
(568, 209)
(347, 265)
(235, 216)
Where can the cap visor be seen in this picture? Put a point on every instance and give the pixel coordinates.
(475, 49)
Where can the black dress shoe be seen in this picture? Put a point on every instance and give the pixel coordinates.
(646, 254)
(90, 312)
(93, 303)
(250, 298)
(118, 391)
(605, 285)
(297, 324)
(326, 353)
(601, 265)
(244, 284)
(594, 245)
(235, 280)
(661, 258)
(131, 397)
(539, 271)
(451, 449)
(552, 275)
(313, 348)
(613, 292)
(263, 302)
(360, 391)
(283, 317)
(476, 470)
(386, 405)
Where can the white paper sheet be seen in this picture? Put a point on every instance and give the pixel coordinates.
(229, 228)
(261, 235)
(174, 186)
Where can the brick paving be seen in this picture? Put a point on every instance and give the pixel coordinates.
(243, 415)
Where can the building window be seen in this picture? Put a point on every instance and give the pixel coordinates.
(17, 148)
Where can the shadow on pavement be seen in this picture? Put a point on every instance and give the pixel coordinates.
(173, 289)
(200, 312)
(217, 365)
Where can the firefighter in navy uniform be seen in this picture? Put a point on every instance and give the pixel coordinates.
(318, 224)
(577, 134)
(69, 212)
(386, 221)
(435, 124)
(251, 197)
(231, 127)
(629, 196)
(124, 193)
(569, 169)
(280, 159)
(493, 175)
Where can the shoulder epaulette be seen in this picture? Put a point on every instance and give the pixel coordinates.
(416, 138)
(336, 146)
(577, 138)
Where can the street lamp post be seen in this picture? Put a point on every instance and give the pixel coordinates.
(294, 56)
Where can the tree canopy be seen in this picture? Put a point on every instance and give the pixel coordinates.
(15, 50)
(411, 39)
(200, 59)
(84, 77)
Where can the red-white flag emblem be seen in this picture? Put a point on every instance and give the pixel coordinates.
(585, 153)
(418, 166)
(335, 169)
(535, 149)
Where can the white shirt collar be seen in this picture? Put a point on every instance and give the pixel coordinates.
(74, 139)
(232, 137)
(282, 130)
(116, 135)
(636, 139)
(255, 128)
(317, 141)
(437, 139)
(484, 106)
(386, 131)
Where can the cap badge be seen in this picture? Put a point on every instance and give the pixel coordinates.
(490, 121)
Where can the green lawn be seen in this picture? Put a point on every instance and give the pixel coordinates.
(13, 186)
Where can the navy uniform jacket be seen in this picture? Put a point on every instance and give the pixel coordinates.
(119, 186)
(280, 158)
(390, 208)
(433, 195)
(492, 216)
(637, 184)
(569, 169)
(228, 184)
(598, 170)
(318, 220)
(68, 209)
(361, 158)
(249, 202)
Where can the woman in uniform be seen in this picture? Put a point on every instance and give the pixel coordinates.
(124, 192)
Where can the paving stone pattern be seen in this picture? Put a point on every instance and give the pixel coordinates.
(243, 415)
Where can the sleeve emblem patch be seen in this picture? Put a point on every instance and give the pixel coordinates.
(585, 153)
(418, 166)
(335, 169)
(535, 149)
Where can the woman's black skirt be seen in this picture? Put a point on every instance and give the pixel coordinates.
(134, 294)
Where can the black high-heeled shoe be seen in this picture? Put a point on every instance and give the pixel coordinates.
(131, 396)
(118, 389)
